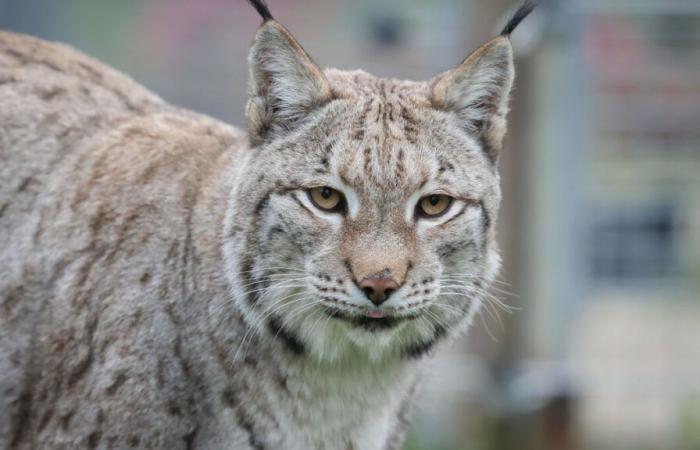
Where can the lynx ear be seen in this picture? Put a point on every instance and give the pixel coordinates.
(285, 84)
(477, 91)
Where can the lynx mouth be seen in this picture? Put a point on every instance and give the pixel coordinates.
(369, 320)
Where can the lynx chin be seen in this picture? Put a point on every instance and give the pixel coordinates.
(170, 282)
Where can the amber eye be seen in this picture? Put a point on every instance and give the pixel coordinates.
(433, 205)
(326, 199)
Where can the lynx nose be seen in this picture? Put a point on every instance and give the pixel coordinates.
(378, 289)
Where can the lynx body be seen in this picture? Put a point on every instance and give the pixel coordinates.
(170, 282)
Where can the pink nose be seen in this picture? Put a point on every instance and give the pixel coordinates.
(378, 289)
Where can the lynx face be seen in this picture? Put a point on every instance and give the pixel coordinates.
(364, 219)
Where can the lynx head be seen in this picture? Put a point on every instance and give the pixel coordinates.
(363, 222)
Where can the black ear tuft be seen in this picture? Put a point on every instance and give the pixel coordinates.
(262, 9)
(523, 11)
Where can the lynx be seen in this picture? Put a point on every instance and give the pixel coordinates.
(170, 282)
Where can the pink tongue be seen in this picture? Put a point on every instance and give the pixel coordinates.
(375, 314)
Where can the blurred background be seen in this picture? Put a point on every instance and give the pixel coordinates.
(600, 225)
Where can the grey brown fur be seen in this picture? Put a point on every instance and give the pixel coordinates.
(166, 284)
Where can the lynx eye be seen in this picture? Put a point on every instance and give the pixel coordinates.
(326, 199)
(433, 205)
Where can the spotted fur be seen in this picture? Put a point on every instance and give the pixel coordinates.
(166, 282)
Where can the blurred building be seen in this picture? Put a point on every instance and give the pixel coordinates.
(625, 188)
(600, 225)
